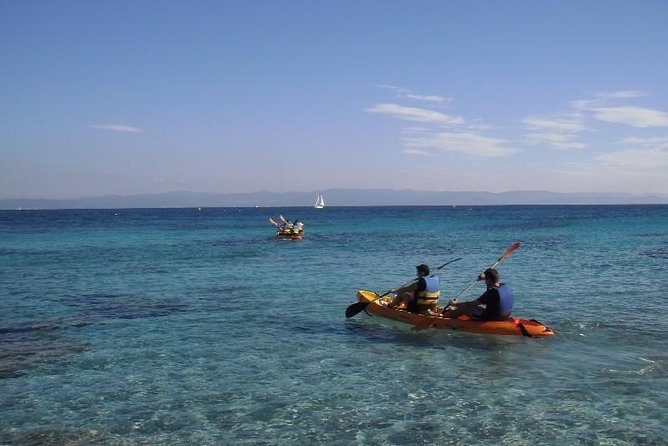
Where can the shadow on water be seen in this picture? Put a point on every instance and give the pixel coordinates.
(122, 306)
(63, 436)
(658, 253)
(25, 345)
(29, 344)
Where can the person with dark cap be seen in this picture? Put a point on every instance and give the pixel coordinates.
(495, 304)
(421, 295)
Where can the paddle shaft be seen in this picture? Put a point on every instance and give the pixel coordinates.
(415, 280)
(503, 257)
(355, 308)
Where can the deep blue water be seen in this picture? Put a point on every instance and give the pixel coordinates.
(181, 326)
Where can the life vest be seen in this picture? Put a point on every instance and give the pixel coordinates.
(505, 300)
(429, 296)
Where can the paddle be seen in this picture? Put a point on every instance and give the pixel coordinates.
(271, 220)
(427, 323)
(357, 307)
(503, 257)
(283, 219)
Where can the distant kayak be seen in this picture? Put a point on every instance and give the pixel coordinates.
(289, 235)
(288, 230)
(511, 326)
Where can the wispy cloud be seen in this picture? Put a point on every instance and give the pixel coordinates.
(117, 128)
(562, 141)
(601, 106)
(408, 94)
(392, 87)
(436, 99)
(659, 142)
(440, 132)
(602, 98)
(621, 94)
(634, 116)
(415, 114)
(644, 154)
(639, 159)
(554, 123)
(558, 132)
(563, 132)
(417, 152)
(468, 143)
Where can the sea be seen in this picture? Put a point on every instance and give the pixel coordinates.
(198, 326)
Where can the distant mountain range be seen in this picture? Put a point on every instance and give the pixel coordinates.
(333, 197)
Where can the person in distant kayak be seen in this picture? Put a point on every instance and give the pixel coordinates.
(421, 295)
(495, 304)
(298, 227)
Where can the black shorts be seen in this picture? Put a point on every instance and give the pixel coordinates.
(413, 307)
(480, 315)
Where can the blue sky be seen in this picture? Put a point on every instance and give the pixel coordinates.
(133, 97)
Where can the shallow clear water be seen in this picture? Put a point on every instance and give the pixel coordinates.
(199, 327)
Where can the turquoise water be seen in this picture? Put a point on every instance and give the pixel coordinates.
(156, 327)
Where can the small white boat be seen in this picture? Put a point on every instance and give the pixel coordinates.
(319, 202)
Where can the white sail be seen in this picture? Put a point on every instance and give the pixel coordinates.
(319, 202)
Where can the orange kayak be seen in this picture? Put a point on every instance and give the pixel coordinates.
(289, 235)
(511, 326)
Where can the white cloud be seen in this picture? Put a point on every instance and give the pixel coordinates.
(660, 142)
(408, 94)
(633, 116)
(415, 114)
(117, 128)
(468, 143)
(392, 87)
(561, 124)
(599, 107)
(642, 156)
(602, 98)
(417, 152)
(558, 132)
(436, 99)
(600, 176)
(641, 159)
(557, 140)
(622, 94)
(426, 139)
(647, 154)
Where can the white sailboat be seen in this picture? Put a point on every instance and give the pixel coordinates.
(319, 201)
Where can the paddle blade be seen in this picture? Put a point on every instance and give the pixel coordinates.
(271, 220)
(355, 308)
(512, 248)
(509, 251)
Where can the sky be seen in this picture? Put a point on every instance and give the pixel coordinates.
(134, 97)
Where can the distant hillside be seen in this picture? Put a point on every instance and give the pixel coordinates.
(333, 197)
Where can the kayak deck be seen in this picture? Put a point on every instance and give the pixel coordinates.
(511, 326)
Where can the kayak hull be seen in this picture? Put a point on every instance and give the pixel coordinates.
(512, 326)
(291, 236)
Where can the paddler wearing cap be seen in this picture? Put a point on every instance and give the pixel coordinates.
(495, 304)
(421, 295)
